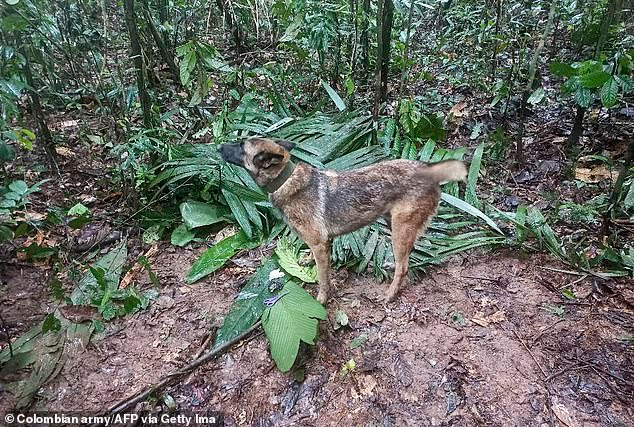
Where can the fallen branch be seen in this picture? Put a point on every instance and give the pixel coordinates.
(173, 377)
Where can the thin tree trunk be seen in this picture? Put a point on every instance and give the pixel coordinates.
(379, 56)
(405, 72)
(351, 43)
(364, 40)
(137, 57)
(388, 14)
(385, 16)
(163, 17)
(104, 17)
(614, 8)
(38, 114)
(335, 72)
(496, 45)
(519, 154)
(160, 43)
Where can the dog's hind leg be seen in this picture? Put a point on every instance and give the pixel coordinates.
(409, 220)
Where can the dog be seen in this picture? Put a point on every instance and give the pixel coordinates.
(320, 204)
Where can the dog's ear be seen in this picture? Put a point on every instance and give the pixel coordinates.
(288, 145)
(266, 160)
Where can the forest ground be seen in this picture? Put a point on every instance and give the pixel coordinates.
(469, 343)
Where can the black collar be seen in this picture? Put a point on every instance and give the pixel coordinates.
(275, 185)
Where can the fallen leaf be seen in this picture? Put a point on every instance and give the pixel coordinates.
(79, 313)
(137, 267)
(595, 174)
(368, 384)
(484, 321)
(34, 216)
(87, 198)
(64, 152)
(68, 124)
(563, 415)
(459, 109)
(487, 302)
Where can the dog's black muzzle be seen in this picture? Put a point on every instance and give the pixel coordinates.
(232, 153)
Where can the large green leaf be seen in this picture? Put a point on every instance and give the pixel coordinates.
(429, 126)
(334, 96)
(562, 69)
(218, 254)
(629, 198)
(187, 65)
(238, 211)
(287, 258)
(181, 236)
(249, 304)
(537, 96)
(583, 97)
(293, 318)
(609, 92)
(198, 214)
(466, 207)
(594, 79)
(472, 178)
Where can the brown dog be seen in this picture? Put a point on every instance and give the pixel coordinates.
(321, 204)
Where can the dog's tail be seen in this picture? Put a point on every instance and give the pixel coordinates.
(447, 171)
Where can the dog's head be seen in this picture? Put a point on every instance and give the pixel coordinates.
(263, 158)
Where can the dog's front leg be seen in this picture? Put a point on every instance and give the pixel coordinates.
(321, 252)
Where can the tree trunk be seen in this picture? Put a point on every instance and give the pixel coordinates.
(385, 17)
(364, 40)
(496, 43)
(161, 6)
(519, 154)
(160, 43)
(38, 114)
(137, 56)
(405, 72)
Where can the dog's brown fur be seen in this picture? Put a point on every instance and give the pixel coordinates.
(321, 204)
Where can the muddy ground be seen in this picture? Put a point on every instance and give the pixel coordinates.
(473, 342)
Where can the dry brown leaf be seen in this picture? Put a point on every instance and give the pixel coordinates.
(39, 238)
(484, 321)
(87, 198)
(368, 384)
(137, 267)
(34, 216)
(64, 152)
(563, 415)
(459, 109)
(595, 174)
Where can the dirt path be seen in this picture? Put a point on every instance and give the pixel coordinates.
(468, 344)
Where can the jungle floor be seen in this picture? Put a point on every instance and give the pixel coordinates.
(484, 339)
(472, 343)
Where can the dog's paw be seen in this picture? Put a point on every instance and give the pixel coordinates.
(390, 295)
(322, 297)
